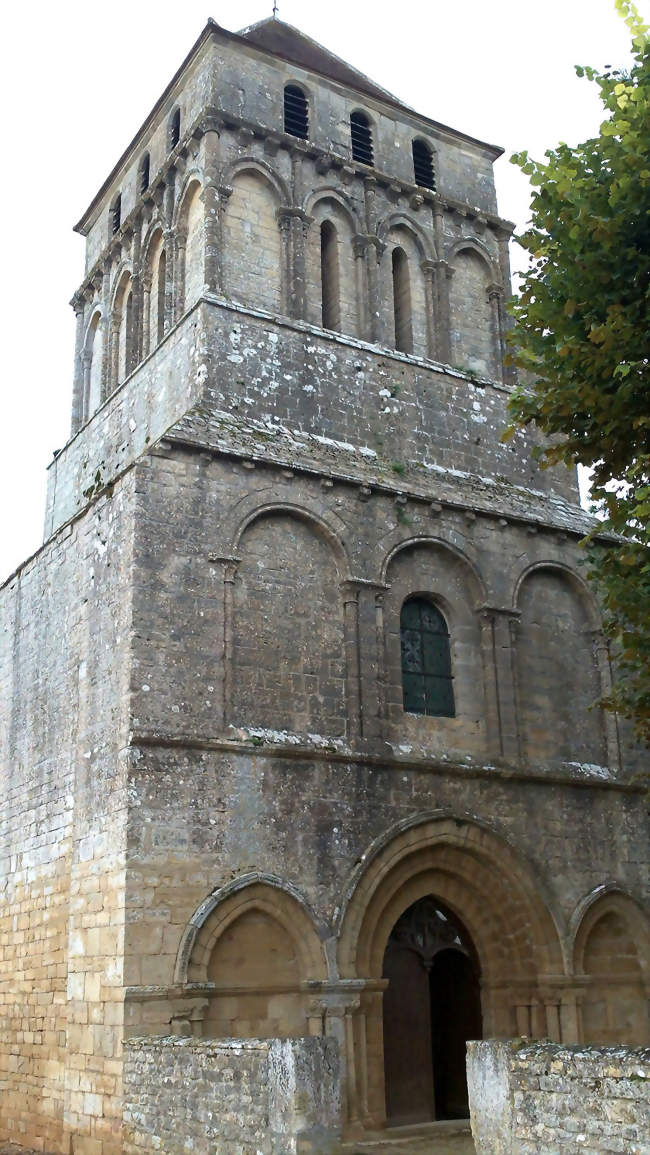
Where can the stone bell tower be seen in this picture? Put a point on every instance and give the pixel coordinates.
(303, 783)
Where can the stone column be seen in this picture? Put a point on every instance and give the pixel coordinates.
(78, 304)
(610, 720)
(352, 662)
(503, 238)
(301, 226)
(284, 217)
(370, 204)
(106, 312)
(229, 574)
(495, 299)
(136, 292)
(339, 1009)
(168, 236)
(294, 225)
(86, 361)
(360, 249)
(180, 246)
(146, 315)
(497, 645)
(375, 251)
(115, 352)
(433, 321)
(443, 275)
(569, 1018)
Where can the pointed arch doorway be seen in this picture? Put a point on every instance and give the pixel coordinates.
(431, 1007)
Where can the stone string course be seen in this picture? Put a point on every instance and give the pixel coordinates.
(547, 1099)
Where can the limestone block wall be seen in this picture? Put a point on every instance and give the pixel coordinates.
(277, 1097)
(420, 423)
(64, 646)
(278, 608)
(533, 1098)
(396, 407)
(160, 392)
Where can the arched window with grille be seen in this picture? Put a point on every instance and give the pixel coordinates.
(296, 112)
(402, 301)
(427, 681)
(174, 129)
(423, 165)
(329, 270)
(361, 135)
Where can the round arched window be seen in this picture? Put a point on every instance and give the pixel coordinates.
(427, 681)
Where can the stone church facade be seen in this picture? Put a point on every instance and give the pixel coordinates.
(297, 726)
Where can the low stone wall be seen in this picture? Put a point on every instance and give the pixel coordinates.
(546, 1099)
(267, 1096)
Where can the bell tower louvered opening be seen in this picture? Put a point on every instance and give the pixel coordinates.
(361, 134)
(296, 112)
(423, 165)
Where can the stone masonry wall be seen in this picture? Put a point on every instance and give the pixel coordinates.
(277, 1097)
(63, 659)
(233, 364)
(536, 1098)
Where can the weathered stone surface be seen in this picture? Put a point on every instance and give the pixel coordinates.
(533, 1098)
(279, 1097)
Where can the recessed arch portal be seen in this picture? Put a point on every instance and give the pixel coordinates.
(432, 1006)
(488, 891)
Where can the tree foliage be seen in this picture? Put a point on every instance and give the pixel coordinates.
(583, 333)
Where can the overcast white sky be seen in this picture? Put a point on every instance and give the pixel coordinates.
(79, 78)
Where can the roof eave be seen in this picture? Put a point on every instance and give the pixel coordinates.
(84, 223)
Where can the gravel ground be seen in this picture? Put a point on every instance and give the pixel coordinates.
(449, 1145)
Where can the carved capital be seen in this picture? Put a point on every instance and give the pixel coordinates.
(271, 145)
(379, 246)
(359, 245)
(492, 613)
(229, 564)
(211, 121)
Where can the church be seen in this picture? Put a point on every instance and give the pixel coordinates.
(304, 785)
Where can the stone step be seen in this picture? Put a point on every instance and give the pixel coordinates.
(448, 1137)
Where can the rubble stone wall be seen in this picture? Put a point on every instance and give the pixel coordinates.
(535, 1098)
(276, 1096)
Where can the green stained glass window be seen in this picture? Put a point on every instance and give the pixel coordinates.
(427, 682)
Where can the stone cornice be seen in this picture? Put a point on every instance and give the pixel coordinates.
(384, 760)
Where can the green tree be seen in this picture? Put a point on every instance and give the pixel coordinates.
(583, 334)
